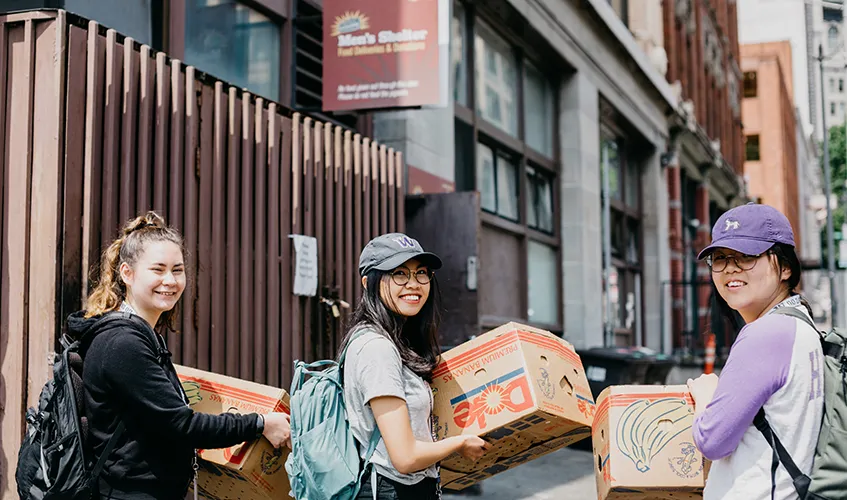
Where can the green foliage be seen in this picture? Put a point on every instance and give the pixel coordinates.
(838, 163)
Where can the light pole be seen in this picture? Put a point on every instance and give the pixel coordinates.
(827, 173)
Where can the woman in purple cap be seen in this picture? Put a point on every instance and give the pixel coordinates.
(775, 364)
(391, 351)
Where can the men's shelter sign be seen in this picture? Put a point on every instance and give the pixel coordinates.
(384, 53)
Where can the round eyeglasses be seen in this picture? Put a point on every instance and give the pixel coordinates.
(744, 262)
(402, 277)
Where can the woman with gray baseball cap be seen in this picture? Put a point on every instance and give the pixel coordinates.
(774, 367)
(393, 350)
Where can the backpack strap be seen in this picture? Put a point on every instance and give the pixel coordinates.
(780, 455)
(376, 435)
(794, 313)
(101, 460)
(358, 333)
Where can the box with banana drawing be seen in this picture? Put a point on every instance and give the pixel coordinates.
(643, 444)
(521, 389)
(249, 471)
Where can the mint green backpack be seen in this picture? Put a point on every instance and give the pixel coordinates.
(324, 462)
(828, 479)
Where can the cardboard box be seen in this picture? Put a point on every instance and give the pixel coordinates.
(643, 446)
(521, 389)
(253, 470)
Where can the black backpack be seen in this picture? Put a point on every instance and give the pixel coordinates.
(55, 462)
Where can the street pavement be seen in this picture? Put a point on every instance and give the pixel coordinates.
(566, 474)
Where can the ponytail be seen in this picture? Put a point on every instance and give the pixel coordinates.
(110, 291)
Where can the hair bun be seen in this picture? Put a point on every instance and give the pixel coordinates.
(150, 219)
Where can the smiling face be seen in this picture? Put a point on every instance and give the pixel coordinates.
(749, 284)
(402, 290)
(156, 281)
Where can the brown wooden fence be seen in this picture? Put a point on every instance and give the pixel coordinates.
(95, 129)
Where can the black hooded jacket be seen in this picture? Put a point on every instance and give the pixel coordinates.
(125, 381)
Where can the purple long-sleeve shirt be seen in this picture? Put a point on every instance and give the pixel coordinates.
(758, 367)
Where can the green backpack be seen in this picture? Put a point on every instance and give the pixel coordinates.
(324, 462)
(828, 479)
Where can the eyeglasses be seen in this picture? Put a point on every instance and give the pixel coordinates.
(402, 277)
(744, 262)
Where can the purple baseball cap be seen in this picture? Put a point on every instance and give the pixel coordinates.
(751, 229)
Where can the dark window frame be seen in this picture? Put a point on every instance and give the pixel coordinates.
(284, 14)
(621, 8)
(489, 134)
(631, 216)
(750, 84)
(278, 11)
(752, 147)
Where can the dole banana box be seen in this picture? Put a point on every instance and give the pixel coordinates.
(643, 444)
(520, 388)
(254, 470)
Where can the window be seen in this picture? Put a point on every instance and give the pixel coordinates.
(234, 43)
(832, 84)
(624, 284)
(498, 177)
(752, 147)
(832, 37)
(496, 81)
(621, 8)
(841, 85)
(831, 15)
(506, 137)
(542, 283)
(538, 111)
(129, 17)
(539, 210)
(458, 43)
(832, 108)
(614, 167)
(750, 85)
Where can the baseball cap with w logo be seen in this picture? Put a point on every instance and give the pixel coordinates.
(389, 251)
(751, 229)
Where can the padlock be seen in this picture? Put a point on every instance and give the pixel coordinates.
(335, 312)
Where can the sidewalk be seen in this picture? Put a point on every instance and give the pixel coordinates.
(566, 473)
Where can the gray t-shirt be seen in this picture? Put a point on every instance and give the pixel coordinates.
(373, 368)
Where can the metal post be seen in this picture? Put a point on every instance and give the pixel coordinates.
(827, 173)
(607, 249)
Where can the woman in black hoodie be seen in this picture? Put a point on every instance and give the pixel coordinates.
(131, 387)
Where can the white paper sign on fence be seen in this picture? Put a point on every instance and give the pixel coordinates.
(305, 265)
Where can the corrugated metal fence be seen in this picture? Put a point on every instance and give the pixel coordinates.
(95, 129)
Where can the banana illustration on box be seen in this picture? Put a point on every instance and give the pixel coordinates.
(646, 427)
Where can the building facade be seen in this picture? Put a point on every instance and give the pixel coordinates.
(805, 26)
(537, 106)
(770, 129)
(697, 41)
(542, 91)
(828, 36)
(762, 21)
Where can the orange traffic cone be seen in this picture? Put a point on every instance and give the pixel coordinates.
(710, 354)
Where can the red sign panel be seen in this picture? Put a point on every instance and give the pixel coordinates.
(381, 54)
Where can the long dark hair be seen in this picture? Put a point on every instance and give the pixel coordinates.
(786, 257)
(416, 337)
